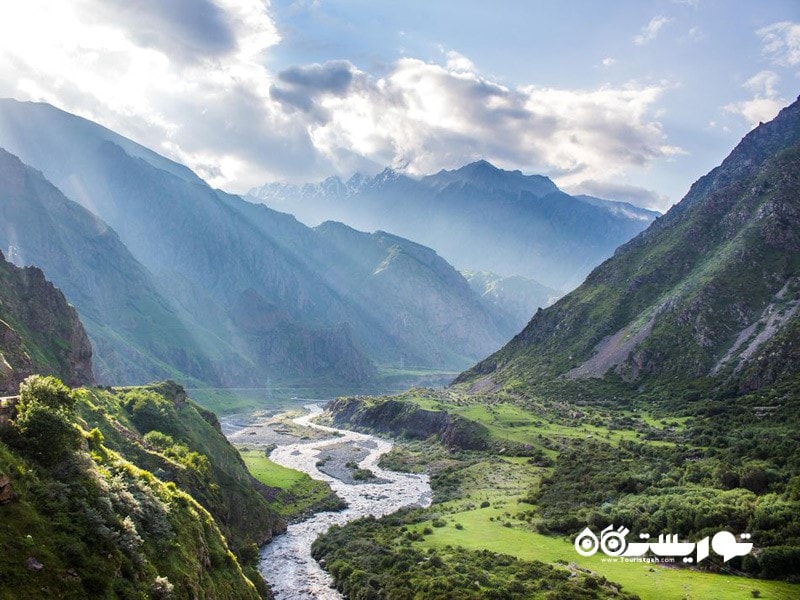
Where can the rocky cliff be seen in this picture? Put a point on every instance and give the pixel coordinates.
(405, 418)
(39, 331)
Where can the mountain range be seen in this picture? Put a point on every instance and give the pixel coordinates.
(708, 295)
(661, 395)
(478, 217)
(176, 279)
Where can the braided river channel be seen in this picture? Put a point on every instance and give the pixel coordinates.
(286, 562)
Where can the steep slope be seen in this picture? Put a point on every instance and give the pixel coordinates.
(131, 493)
(710, 290)
(39, 331)
(477, 217)
(250, 285)
(411, 306)
(136, 334)
(417, 293)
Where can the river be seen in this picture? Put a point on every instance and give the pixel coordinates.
(286, 562)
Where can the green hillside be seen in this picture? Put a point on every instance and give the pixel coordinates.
(91, 508)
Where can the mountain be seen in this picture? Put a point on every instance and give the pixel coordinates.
(478, 218)
(39, 331)
(82, 511)
(708, 293)
(415, 292)
(253, 289)
(516, 298)
(136, 334)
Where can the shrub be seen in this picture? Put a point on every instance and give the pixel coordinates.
(45, 434)
(48, 391)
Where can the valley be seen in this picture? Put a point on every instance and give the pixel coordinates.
(427, 382)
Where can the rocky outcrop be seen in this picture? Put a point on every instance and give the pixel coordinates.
(7, 493)
(405, 418)
(39, 331)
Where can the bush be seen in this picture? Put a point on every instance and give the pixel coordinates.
(48, 391)
(45, 434)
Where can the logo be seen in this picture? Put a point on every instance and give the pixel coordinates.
(613, 543)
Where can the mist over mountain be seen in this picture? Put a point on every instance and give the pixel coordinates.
(136, 333)
(478, 218)
(245, 292)
(515, 298)
(710, 291)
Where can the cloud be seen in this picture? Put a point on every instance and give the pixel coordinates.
(459, 62)
(204, 109)
(782, 43)
(650, 31)
(189, 30)
(205, 97)
(623, 192)
(766, 101)
(428, 116)
(608, 61)
(301, 86)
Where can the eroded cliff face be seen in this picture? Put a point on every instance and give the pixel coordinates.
(405, 418)
(39, 331)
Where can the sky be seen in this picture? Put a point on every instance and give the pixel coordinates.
(624, 99)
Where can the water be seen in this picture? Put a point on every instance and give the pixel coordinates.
(286, 563)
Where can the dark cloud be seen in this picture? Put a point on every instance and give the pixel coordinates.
(333, 77)
(186, 30)
(302, 85)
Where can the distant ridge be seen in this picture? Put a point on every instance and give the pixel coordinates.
(477, 217)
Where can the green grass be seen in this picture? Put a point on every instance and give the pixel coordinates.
(501, 528)
(270, 473)
(481, 532)
(510, 423)
(301, 494)
(508, 526)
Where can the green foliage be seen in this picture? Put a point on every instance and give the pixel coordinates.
(43, 429)
(102, 528)
(296, 494)
(370, 559)
(45, 434)
(48, 391)
(157, 427)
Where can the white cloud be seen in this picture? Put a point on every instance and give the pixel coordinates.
(650, 31)
(766, 100)
(459, 62)
(428, 117)
(782, 43)
(98, 60)
(608, 61)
